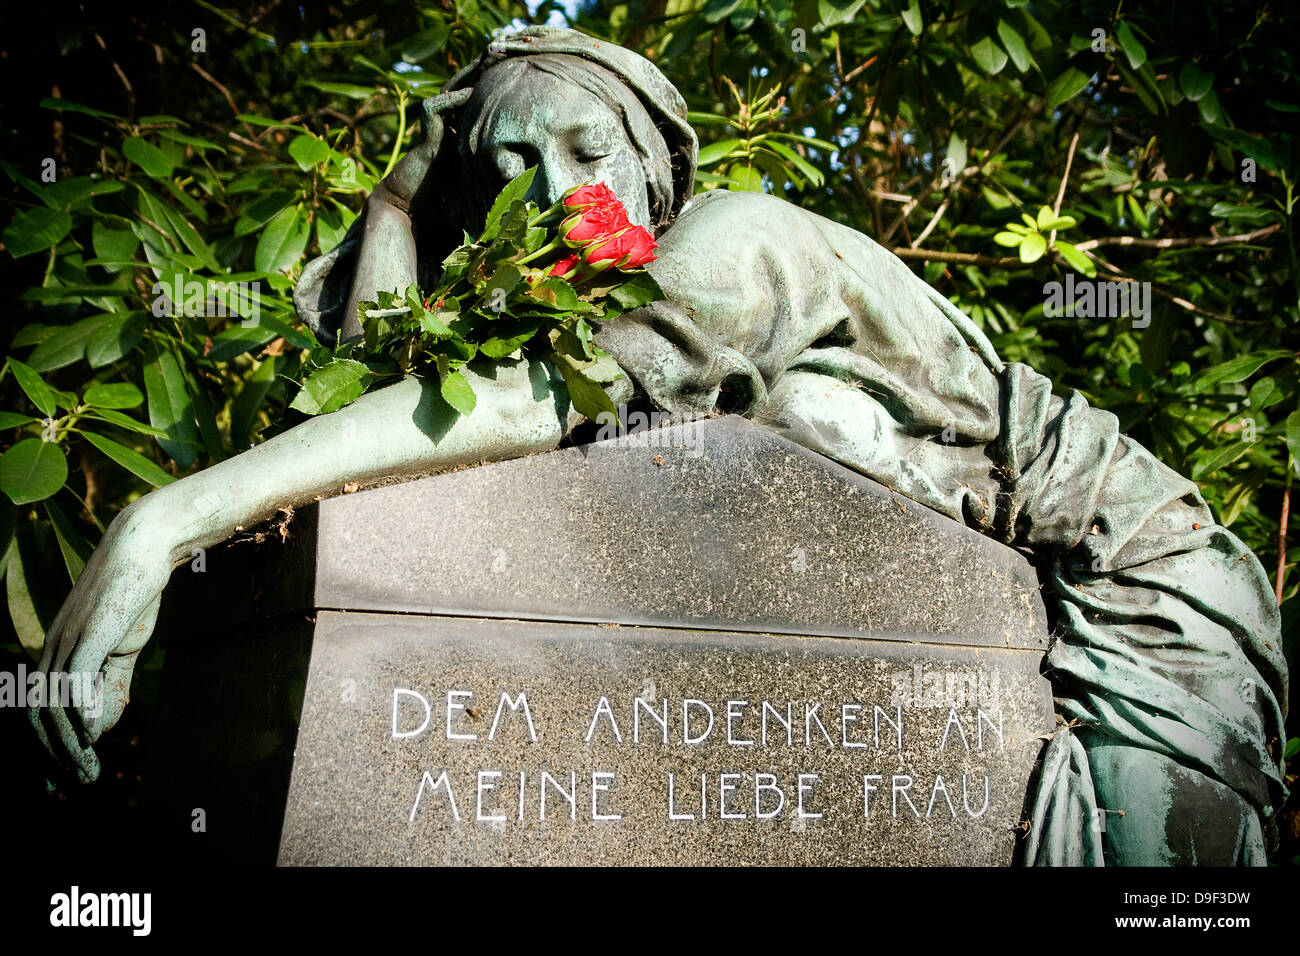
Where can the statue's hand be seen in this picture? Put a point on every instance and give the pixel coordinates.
(101, 628)
(400, 186)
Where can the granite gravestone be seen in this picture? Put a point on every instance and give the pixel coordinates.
(700, 644)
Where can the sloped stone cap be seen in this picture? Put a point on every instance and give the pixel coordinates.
(717, 524)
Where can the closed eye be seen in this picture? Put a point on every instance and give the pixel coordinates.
(588, 145)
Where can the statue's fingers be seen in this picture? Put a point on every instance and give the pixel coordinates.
(408, 175)
(50, 647)
(62, 639)
(103, 713)
(58, 643)
(57, 639)
(83, 758)
(56, 765)
(435, 106)
(101, 667)
(60, 690)
(112, 625)
(35, 717)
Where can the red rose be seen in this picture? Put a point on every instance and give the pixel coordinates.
(594, 224)
(564, 266)
(580, 197)
(630, 249)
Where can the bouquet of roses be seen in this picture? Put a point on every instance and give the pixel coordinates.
(530, 285)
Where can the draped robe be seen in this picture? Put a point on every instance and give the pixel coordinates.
(1166, 662)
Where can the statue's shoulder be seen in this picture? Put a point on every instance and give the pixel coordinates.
(724, 202)
(720, 217)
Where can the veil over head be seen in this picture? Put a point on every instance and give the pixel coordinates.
(322, 292)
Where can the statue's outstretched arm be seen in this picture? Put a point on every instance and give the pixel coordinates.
(403, 429)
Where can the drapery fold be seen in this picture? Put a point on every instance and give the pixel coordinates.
(1166, 653)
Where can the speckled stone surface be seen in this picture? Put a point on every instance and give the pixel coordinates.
(713, 524)
(360, 794)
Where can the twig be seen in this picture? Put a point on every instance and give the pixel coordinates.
(965, 173)
(344, 118)
(655, 10)
(235, 23)
(130, 93)
(934, 221)
(252, 143)
(1178, 243)
(1281, 529)
(1065, 177)
(217, 83)
(1121, 276)
(834, 97)
(864, 133)
(960, 258)
(224, 92)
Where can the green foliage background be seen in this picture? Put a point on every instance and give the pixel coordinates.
(1165, 131)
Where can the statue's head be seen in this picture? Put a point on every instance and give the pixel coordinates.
(578, 109)
(573, 120)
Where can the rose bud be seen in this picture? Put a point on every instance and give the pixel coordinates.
(580, 197)
(641, 245)
(630, 249)
(593, 224)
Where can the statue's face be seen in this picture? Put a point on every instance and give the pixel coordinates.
(570, 135)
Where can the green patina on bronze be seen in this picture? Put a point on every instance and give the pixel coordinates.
(1167, 666)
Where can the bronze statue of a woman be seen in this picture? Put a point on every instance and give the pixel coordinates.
(1167, 668)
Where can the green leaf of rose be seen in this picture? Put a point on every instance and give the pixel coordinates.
(640, 289)
(587, 396)
(330, 388)
(557, 294)
(515, 189)
(510, 337)
(458, 393)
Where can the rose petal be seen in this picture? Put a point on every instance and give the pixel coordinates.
(581, 197)
(564, 266)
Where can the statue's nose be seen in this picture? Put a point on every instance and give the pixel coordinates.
(556, 174)
(542, 190)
